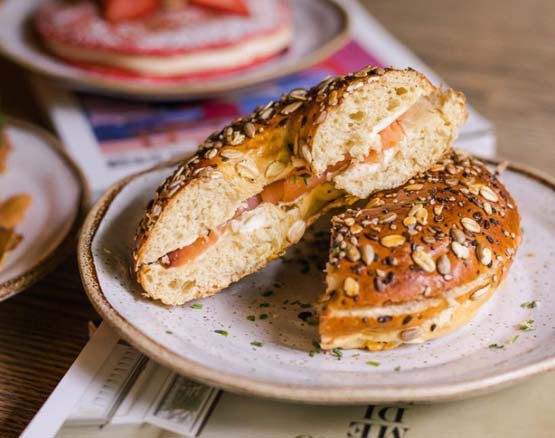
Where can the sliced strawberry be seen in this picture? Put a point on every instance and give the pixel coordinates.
(124, 10)
(231, 6)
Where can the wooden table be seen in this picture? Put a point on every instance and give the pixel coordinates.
(500, 53)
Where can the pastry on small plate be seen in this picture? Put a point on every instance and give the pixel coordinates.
(151, 39)
(12, 213)
(41, 196)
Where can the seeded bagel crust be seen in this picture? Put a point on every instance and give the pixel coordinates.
(418, 261)
(336, 123)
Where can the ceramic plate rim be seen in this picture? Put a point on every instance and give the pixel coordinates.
(51, 259)
(190, 91)
(298, 393)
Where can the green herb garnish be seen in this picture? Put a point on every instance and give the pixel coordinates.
(251, 317)
(529, 305)
(221, 332)
(497, 346)
(526, 326)
(337, 353)
(196, 306)
(256, 344)
(373, 363)
(263, 316)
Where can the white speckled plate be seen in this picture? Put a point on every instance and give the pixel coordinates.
(185, 338)
(38, 166)
(320, 28)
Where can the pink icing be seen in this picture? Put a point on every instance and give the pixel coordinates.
(164, 33)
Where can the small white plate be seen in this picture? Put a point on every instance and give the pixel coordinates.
(320, 28)
(185, 338)
(37, 166)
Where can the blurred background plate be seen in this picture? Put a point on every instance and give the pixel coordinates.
(320, 28)
(257, 336)
(37, 166)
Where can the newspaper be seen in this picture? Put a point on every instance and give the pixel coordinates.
(113, 391)
(110, 138)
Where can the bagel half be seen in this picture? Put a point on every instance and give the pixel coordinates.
(254, 186)
(419, 260)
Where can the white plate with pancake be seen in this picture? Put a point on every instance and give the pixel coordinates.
(37, 166)
(319, 29)
(257, 337)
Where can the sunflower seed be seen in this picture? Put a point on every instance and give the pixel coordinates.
(368, 254)
(488, 194)
(470, 225)
(236, 139)
(438, 209)
(437, 168)
(424, 260)
(409, 221)
(247, 170)
(451, 169)
(353, 253)
(249, 129)
(351, 287)
(487, 208)
(291, 108)
(457, 235)
(274, 169)
(460, 251)
(296, 231)
(305, 151)
(413, 187)
(387, 218)
(211, 153)
(266, 114)
(410, 334)
(443, 264)
(484, 254)
(375, 202)
(298, 93)
(414, 209)
(422, 216)
(392, 240)
(355, 229)
(232, 154)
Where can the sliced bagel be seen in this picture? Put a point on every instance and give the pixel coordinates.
(253, 187)
(419, 260)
